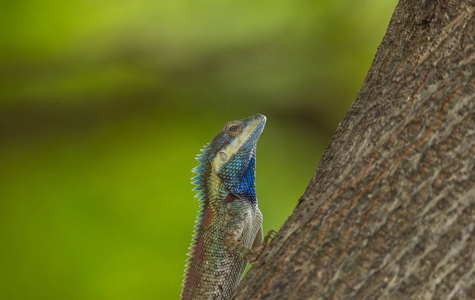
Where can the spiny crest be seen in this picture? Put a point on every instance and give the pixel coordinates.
(200, 169)
(198, 181)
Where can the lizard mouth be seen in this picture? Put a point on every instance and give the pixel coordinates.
(256, 123)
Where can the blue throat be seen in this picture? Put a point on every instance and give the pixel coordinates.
(239, 175)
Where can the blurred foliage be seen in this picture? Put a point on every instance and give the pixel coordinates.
(104, 104)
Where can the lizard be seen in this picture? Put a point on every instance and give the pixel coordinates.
(228, 232)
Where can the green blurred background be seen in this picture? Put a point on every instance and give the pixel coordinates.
(104, 104)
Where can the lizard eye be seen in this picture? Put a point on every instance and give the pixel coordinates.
(233, 128)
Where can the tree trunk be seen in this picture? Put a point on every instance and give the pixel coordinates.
(390, 211)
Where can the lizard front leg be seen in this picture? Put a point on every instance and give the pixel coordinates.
(234, 246)
(260, 244)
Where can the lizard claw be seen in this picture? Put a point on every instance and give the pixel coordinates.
(270, 236)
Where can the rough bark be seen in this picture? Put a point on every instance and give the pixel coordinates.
(390, 211)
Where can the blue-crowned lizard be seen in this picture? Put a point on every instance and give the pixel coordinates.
(228, 233)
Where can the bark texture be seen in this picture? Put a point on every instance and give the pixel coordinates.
(390, 211)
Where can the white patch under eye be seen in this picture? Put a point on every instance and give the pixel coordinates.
(223, 156)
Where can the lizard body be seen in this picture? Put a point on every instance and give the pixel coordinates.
(228, 233)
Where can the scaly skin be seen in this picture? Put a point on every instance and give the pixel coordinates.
(228, 233)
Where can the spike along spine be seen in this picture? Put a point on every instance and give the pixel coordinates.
(200, 186)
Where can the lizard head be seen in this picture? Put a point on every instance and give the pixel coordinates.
(235, 161)
(235, 138)
(231, 156)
